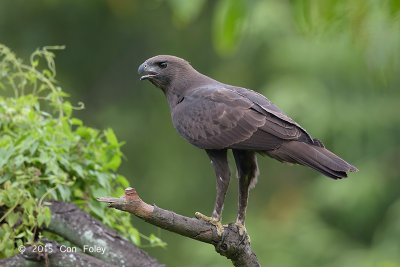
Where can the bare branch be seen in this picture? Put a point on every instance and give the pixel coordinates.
(232, 245)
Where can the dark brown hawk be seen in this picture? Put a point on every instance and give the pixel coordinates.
(216, 117)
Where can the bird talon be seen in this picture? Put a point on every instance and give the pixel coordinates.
(223, 236)
(243, 232)
(216, 223)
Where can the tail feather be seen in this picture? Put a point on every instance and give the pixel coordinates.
(316, 157)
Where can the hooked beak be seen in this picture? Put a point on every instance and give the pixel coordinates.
(149, 70)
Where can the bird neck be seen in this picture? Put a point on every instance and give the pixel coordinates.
(183, 84)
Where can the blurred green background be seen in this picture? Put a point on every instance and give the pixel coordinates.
(333, 66)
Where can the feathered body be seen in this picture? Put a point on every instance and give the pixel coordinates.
(216, 117)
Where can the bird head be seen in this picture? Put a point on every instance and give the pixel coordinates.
(163, 70)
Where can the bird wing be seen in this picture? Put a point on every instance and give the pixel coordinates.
(267, 107)
(215, 117)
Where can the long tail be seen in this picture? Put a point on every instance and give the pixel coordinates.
(318, 158)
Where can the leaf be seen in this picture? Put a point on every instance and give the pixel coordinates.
(33, 148)
(47, 73)
(5, 177)
(117, 192)
(65, 192)
(80, 202)
(12, 218)
(154, 240)
(19, 236)
(75, 121)
(32, 116)
(5, 154)
(114, 163)
(47, 213)
(29, 205)
(134, 236)
(123, 181)
(228, 24)
(98, 191)
(96, 208)
(44, 157)
(40, 219)
(103, 179)
(110, 136)
(10, 250)
(67, 108)
(78, 169)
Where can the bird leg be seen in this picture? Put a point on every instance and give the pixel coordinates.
(247, 170)
(220, 163)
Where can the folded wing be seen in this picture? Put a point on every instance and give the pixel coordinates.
(216, 118)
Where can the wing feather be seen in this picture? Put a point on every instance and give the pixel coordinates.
(274, 114)
(216, 117)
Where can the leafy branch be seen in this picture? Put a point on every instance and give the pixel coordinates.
(45, 153)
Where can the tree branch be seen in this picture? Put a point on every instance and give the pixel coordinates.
(52, 255)
(87, 233)
(233, 246)
(81, 229)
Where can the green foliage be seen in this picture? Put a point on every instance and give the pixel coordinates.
(331, 65)
(229, 20)
(47, 154)
(185, 11)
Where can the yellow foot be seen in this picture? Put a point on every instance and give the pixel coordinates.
(218, 224)
(243, 231)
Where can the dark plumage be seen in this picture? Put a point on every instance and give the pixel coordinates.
(216, 117)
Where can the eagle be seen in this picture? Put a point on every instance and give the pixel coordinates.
(217, 117)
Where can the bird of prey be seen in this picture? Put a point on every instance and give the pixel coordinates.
(216, 117)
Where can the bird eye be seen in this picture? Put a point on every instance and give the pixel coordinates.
(162, 65)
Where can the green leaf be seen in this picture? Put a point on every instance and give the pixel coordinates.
(134, 236)
(5, 177)
(103, 179)
(96, 208)
(21, 235)
(98, 191)
(123, 181)
(40, 219)
(32, 116)
(65, 192)
(9, 251)
(113, 163)
(110, 136)
(154, 240)
(75, 121)
(5, 154)
(67, 108)
(47, 214)
(47, 73)
(12, 218)
(228, 25)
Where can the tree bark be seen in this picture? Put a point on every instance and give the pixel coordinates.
(84, 231)
(230, 244)
(53, 256)
(81, 229)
